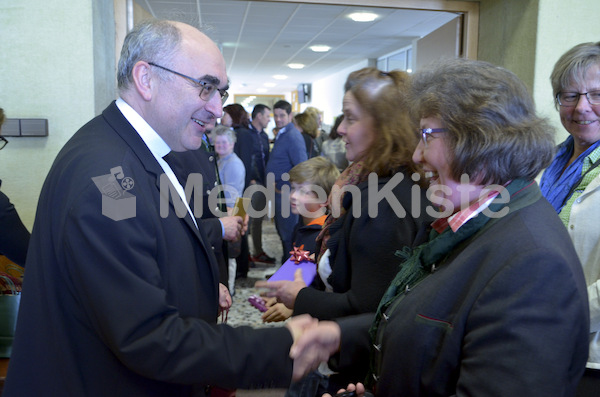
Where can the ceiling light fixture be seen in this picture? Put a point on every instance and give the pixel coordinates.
(363, 16)
(320, 48)
(295, 65)
(280, 77)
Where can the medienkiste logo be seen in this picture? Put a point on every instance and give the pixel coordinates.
(117, 202)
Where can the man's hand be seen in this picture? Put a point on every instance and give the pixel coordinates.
(233, 226)
(285, 291)
(225, 300)
(314, 345)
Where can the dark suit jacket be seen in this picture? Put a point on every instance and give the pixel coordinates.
(244, 148)
(204, 163)
(128, 307)
(506, 314)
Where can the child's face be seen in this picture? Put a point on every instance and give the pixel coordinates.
(305, 200)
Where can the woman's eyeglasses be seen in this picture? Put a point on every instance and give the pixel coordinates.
(426, 133)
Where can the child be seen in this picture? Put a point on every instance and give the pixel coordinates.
(311, 182)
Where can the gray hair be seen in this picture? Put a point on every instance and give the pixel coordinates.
(151, 41)
(223, 130)
(572, 66)
(494, 134)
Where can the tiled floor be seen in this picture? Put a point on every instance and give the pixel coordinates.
(241, 312)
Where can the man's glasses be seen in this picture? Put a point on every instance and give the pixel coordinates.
(570, 99)
(3, 142)
(207, 90)
(426, 133)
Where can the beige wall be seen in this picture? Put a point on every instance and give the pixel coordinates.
(50, 69)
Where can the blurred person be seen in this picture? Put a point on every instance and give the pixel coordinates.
(334, 148)
(572, 182)
(308, 127)
(232, 173)
(321, 135)
(236, 117)
(495, 302)
(261, 117)
(357, 251)
(288, 150)
(14, 236)
(127, 305)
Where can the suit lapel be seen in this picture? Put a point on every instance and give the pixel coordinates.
(123, 128)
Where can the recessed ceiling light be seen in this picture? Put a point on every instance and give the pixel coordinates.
(269, 84)
(280, 77)
(363, 16)
(320, 48)
(295, 65)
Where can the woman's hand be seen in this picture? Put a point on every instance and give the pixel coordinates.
(285, 291)
(358, 389)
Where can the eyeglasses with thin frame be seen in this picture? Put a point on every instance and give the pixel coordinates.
(570, 99)
(207, 90)
(426, 132)
(3, 142)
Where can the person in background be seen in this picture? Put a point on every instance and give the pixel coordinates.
(572, 182)
(233, 174)
(321, 135)
(358, 247)
(306, 123)
(334, 148)
(494, 303)
(236, 117)
(288, 150)
(261, 117)
(14, 236)
(129, 307)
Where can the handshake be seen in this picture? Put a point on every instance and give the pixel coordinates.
(314, 342)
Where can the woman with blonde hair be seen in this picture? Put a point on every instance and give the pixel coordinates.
(308, 127)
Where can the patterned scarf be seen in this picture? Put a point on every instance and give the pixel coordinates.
(421, 261)
(352, 175)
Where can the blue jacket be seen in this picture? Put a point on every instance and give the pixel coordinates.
(289, 149)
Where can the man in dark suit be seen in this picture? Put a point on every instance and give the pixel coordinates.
(261, 117)
(122, 295)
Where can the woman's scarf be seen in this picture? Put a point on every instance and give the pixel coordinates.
(558, 179)
(352, 175)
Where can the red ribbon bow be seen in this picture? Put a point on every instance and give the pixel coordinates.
(299, 254)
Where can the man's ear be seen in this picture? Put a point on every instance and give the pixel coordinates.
(143, 80)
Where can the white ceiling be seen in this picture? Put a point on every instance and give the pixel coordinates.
(259, 39)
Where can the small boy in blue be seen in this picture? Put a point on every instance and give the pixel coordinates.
(311, 183)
